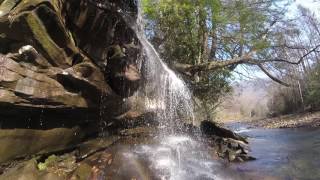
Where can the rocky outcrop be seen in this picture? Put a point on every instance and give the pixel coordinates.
(64, 64)
(116, 157)
(224, 143)
(65, 54)
(36, 141)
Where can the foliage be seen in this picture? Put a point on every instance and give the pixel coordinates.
(284, 100)
(196, 32)
(304, 79)
(298, 98)
(49, 161)
(313, 91)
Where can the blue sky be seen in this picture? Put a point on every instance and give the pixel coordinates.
(310, 4)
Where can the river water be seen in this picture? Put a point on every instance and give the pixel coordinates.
(282, 153)
(289, 154)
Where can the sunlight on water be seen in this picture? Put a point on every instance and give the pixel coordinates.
(167, 92)
(180, 158)
(174, 157)
(164, 92)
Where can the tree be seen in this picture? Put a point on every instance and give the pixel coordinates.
(205, 40)
(303, 94)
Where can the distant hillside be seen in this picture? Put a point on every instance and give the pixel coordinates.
(248, 100)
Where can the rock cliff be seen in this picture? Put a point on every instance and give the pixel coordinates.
(64, 64)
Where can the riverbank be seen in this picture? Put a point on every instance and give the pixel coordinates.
(305, 120)
(133, 153)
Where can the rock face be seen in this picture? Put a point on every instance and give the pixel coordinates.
(65, 63)
(65, 54)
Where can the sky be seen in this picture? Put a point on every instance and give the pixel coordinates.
(310, 4)
(313, 5)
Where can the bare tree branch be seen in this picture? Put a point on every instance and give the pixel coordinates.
(271, 76)
(247, 58)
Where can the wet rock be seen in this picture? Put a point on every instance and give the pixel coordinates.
(63, 64)
(228, 145)
(232, 150)
(95, 145)
(123, 74)
(83, 172)
(239, 159)
(58, 54)
(28, 171)
(108, 164)
(61, 166)
(231, 155)
(210, 128)
(17, 143)
(138, 131)
(112, 44)
(27, 86)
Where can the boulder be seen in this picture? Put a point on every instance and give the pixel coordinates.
(210, 128)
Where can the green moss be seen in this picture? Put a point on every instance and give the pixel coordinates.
(25, 5)
(39, 32)
(6, 6)
(117, 52)
(51, 159)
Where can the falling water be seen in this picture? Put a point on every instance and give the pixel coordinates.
(175, 156)
(180, 158)
(164, 92)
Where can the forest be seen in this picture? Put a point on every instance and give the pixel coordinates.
(208, 42)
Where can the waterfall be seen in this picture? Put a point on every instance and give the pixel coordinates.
(175, 157)
(164, 92)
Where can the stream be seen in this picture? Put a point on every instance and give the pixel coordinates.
(282, 153)
(288, 154)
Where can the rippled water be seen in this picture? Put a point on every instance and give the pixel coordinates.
(283, 153)
(180, 158)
